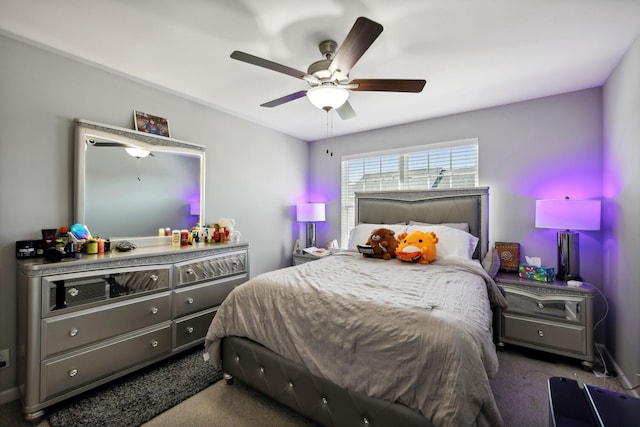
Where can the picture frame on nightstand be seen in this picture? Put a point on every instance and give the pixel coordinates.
(509, 253)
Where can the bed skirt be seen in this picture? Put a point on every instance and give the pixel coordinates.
(316, 398)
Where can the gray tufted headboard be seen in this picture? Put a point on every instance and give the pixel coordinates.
(468, 205)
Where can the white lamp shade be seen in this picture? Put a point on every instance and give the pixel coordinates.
(310, 212)
(137, 152)
(327, 96)
(568, 214)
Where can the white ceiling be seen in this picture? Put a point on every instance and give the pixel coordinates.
(473, 54)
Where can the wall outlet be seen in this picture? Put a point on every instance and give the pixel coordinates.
(4, 358)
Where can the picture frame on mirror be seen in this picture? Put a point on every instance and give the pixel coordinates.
(150, 124)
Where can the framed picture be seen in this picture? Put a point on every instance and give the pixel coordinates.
(151, 124)
(509, 255)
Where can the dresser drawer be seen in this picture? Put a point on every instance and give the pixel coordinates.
(551, 307)
(82, 368)
(563, 337)
(203, 296)
(68, 331)
(68, 291)
(214, 267)
(192, 328)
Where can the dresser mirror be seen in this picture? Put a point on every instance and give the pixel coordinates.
(129, 184)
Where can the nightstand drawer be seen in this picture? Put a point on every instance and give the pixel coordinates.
(559, 336)
(550, 307)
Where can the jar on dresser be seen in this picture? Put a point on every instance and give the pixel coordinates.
(84, 322)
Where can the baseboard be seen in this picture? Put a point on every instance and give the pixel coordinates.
(9, 395)
(624, 381)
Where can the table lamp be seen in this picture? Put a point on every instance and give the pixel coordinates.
(568, 215)
(310, 213)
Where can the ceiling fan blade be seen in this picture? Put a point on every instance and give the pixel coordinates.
(388, 85)
(363, 33)
(284, 99)
(345, 111)
(270, 65)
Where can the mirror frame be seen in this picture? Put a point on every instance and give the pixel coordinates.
(87, 130)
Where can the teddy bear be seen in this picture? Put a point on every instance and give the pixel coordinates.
(417, 246)
(381, 243)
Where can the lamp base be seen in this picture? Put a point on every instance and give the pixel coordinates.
(311, 235)
(568, 256)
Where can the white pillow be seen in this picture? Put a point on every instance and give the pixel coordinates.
(451, 242)
(457, 225)
(361, 232)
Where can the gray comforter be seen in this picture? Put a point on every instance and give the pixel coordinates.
(416, 334)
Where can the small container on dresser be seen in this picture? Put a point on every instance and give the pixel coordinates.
(547, 316)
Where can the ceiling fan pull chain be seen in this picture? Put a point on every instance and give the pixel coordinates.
(331, 138)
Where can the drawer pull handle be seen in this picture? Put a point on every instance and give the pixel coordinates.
(154, 277)
(73, 292)
(154, 343)
(73, 332)
(73, 372)
(154, 310)
(189, 329)
(540, 305)
(190, 271)
(541, 333)
(189, 300)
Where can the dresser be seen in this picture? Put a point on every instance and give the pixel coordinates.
(84, 322)
(547, 316)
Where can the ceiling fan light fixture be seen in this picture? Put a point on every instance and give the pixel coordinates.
(327, 96)
(137, 152)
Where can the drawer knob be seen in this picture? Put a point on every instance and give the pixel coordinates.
(190, 271)
(154, 310)
(540, 305)
(189, 300)
(189, 329)
(73, 292)
(154, 277)
(73, 372)
(73, 332)
(154, 343)
(540, 333)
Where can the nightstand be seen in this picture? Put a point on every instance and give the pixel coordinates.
(547, 316)
(304, 257)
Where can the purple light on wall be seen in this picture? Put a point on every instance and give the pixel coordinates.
(568, 214)
(194, 208)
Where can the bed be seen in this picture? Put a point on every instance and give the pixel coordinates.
(348, 340)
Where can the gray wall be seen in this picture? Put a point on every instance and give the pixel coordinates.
(622, 210)
(543, 148)
(254, 174)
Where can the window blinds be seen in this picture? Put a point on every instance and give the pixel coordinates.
(447, 165)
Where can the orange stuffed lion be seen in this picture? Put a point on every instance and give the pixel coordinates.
(417, 246)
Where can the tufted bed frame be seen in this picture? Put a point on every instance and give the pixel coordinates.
(319, 399)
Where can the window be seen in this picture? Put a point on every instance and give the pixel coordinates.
(446, 165)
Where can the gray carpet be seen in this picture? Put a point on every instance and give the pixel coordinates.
(138, 397)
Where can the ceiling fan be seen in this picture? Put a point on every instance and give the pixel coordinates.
(329, 78)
